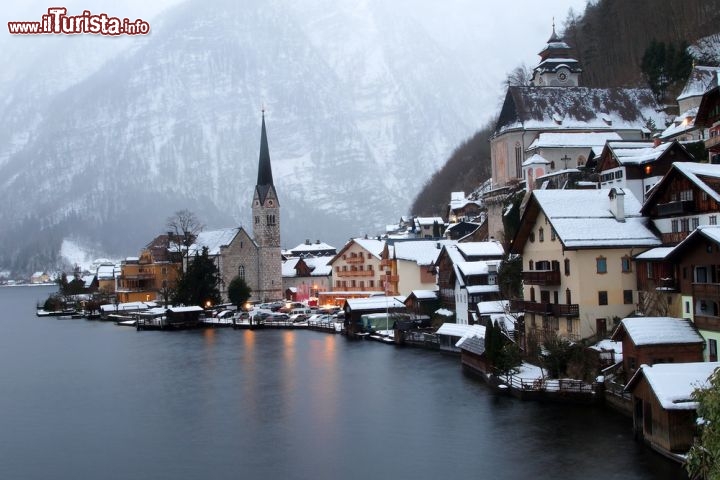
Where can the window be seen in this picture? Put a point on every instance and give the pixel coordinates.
(695, 223)
(270, 219)
(541, 235)
(567, 266)
(675, 226)
(569, 325)
(552, 235)
(602, 297)
(685, 225)
(601, 264)
(518, 160)
(257, 219)
(530, 265)
(371, 283)
(686, 195)
(568, 296)
(556, 300)
(544, 296)
(687, 307)
(713, 219)
(712, 350)
(628, 297)
(532, 294)
(626, 264)
(241, 272)
(532, 237)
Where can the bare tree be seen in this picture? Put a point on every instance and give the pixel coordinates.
(184, 228)
(519, 76)
(653, 303)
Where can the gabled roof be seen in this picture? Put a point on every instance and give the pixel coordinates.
(705, 176)
(375, 303)
(424, 294)
(573, 140)
(578, 108)
(707, 113)
(644, 331)
(701, 80)
(703, 232)
(213, 240)
(674, 383)
(681, 124)
(422, 252)
(592, 226)
(374, 247)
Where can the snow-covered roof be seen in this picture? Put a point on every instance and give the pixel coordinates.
(637, 153)
(472, 343)
(425, 294)
(536, 160)
(373, 246)
(660, 331)
(308, 247)
(695, 171)
(444, 312)
(493, 306)
(657, 253)
(682, 123)
(475, 289)
(573, 140)
(459, 329)
(429, 221)
(594, 225)
(579, 108)
(213, 240)
(375, 303)
(481, 249)
(191, 308)
(701, 80)
(422, 252)
(674, 383)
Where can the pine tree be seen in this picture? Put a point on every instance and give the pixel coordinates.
(704, 457)
(238, 291)
(198, 285)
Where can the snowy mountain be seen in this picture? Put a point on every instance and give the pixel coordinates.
(362, 104)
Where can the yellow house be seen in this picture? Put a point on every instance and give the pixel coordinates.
(150, 276)
(577, 248)
(356, 269)
(411, 265)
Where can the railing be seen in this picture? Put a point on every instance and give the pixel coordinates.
(554, 309)
(356, 273)
(709, 290)
(706, 322)
(712, 141)
(541, 277)
(676, 208)
(563, 385)
(355, 259)
(673, 238)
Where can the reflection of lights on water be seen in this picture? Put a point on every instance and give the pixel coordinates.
(209, 334)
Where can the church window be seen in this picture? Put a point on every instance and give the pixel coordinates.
(257, 220)
(518, 159)
(241, 272)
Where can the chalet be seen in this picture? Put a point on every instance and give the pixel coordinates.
(698, 265)
(467, 274)
(708, 116)
(152, 275)
(422, 302)
(664, 412)
(356, 269)
(462, 208)
(577, 248)
(686, 197)
(651, 340)
(429, 227)
(658, 293)
(410, 265)
(307, 277)
(638, 166)
(308, 249)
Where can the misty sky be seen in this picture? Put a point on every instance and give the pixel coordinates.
(494, 36)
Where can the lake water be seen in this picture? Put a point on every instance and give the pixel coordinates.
(91, 400)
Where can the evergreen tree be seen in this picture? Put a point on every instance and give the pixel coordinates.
(198, 285)
(704, 457)
(238, 291)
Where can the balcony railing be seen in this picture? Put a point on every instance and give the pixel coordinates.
(355, 273)
(541, 277)
(355, 259)
(706, 322)
(673, 238)
(710, 291)
(712, 141)
(676, 208)
(553, 309)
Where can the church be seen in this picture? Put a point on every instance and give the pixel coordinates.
(257, 258)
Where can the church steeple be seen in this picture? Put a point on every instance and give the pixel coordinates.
(557, 66)
(264, 178)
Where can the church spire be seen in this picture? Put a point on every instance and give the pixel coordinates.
(264, 168)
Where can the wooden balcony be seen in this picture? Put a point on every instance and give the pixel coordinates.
(541, 277)
(673, 238)
(708, 291)
(551, 309)
(712, 142)
(356, 273)
(385, 262)
(544, 334)
(679, 207)
(355, 260)
(707, 322)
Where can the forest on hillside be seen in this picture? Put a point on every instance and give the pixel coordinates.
(611, 39)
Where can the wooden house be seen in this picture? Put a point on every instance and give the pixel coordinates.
(355, 308)
(652, 340)
(708, 116)
(697, 260)
(664, 412)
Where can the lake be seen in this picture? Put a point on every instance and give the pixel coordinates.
(88, 399)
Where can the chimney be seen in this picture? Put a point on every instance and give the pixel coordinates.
(307, 241)
(656, 140)
(617, 203)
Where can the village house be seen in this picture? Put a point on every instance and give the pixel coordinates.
(429, 227)
(664, 412)
(152, 275)
(409, 265)
(467, 275)
(651, 340)
(305, 277)
(638, 166)
(687, 196)
(683, 127)
(697, 261)
(462, 208)
(355, 308)
(308, 249)
(708, 117)
(422, 302)
(356, 271)
(577, 248)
